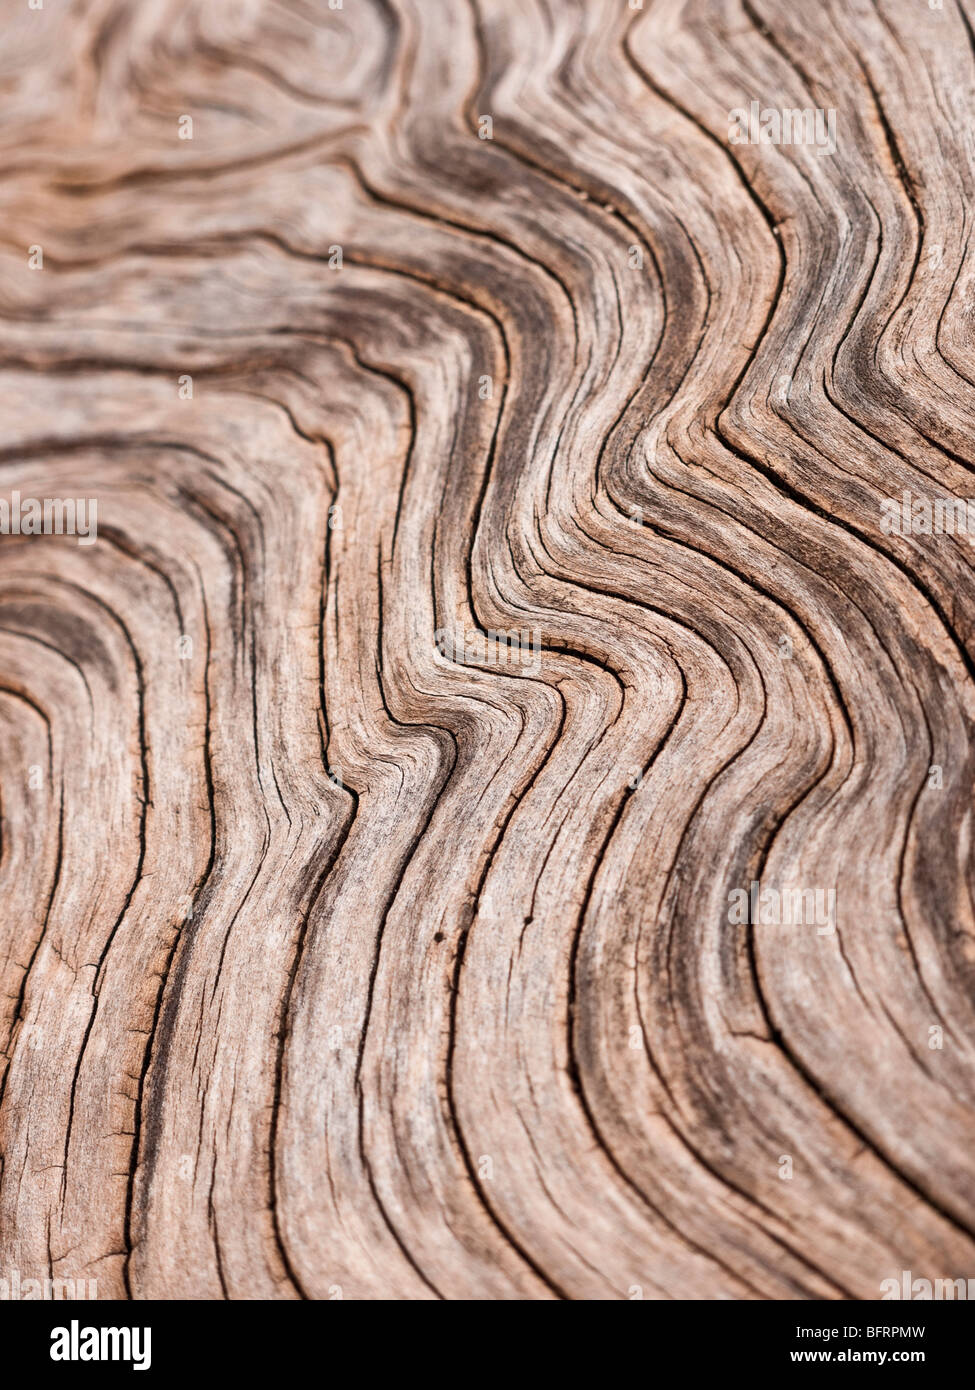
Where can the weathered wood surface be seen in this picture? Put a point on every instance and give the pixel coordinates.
(333, 964)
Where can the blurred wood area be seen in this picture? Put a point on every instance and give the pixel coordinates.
(489, 815)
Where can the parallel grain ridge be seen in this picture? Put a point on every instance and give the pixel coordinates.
(486, 803)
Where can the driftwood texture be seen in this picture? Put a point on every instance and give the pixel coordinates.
(338, 965)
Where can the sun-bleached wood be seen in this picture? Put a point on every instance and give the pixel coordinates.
(337, 966)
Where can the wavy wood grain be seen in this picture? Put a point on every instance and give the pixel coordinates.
(337, 966)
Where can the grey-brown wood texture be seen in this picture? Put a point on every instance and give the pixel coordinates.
(346, 951)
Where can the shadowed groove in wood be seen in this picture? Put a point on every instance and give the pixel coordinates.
(491, 585)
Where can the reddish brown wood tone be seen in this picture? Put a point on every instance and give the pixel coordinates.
(346, 949)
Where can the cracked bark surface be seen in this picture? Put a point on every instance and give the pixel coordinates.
(333, 965)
